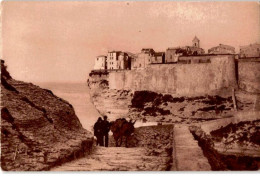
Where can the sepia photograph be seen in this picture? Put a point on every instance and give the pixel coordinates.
(130, 86)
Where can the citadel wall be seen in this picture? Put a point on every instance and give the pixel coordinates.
(181, 79)
(249, 75)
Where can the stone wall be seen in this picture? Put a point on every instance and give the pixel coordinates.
(249, 75)
(181, 79)
(195, 59)
(242, 116)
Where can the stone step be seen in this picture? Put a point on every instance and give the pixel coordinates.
(113, 159)
(188, 154)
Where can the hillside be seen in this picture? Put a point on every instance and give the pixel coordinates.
(38, 129)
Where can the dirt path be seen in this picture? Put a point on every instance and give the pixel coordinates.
(150, 149)
(115, 159)
(154, 148)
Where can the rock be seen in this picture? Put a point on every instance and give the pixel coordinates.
(37, 127)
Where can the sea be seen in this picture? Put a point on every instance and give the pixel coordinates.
(77, 94)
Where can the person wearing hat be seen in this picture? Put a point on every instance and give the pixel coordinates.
(106, 129)
(98, 131)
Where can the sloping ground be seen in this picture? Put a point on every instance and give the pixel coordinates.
(167, 108)
(153, 148)
(115, 159)
(150, 149)
(38, 129)
(231, 135)
(242, 138)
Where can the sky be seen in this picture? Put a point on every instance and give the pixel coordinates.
(58, 41)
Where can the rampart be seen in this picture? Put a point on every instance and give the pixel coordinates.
(180, 79)
(249, 75)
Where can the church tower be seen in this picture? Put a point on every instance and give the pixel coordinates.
(196, 42)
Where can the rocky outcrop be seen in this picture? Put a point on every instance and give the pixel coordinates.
(152, 106)
(165, 107)
(228, 161)
(38, 129)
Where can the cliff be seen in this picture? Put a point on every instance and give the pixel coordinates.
(38, 129)
(179, 79)
(172, 93)
(156, 107)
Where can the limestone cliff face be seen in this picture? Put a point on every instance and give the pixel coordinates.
(152, 106)
(111, 102)
(38, 129)
(152, 94)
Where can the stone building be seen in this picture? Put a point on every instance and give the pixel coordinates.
(192, 50)
(118, 60)
(143, 59)
(172, 54)
(124, 61)
(100, 62)
(222, 49)
(252, 50)
(158, 57)
(196, 42)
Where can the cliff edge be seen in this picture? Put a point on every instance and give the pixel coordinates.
(38, 129)
(142, 94)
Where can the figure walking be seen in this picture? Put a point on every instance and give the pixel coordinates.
(98, 131)
(106, 129)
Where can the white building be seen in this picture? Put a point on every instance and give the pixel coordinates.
(100, 62)
(117, 60)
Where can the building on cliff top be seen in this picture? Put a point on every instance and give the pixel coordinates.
(196, 42)
(118, 60)
(147, 57)
(250, 51)
(143, 59)
(158, 57)
(100, 62)
(222, 49)
(172, 54)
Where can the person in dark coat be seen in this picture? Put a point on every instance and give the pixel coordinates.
(98, 131)
(106, 129)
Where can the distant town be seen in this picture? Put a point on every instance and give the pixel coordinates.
(119, 60)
